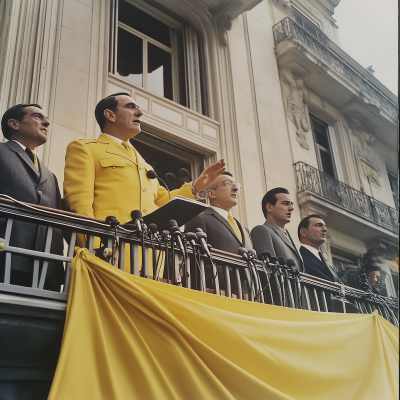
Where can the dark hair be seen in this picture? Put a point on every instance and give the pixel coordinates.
(15, 112)
(108, 103)
(372, 268)
(227, 173)
(270, 198)
(305, 222)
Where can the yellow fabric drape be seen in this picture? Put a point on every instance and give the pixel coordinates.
(132, 338)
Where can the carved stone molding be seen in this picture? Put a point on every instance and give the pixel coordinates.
(364, 140)
(224, 11)
(295, 96)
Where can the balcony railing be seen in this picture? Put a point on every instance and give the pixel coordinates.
(267, 281)
(320, 44)
(310, 179)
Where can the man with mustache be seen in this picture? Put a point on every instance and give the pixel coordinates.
(272, 237)
(25, 178)
(107, 176)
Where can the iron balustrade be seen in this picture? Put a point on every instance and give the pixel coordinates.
(225, 274)
(321, 45)
(310, 179)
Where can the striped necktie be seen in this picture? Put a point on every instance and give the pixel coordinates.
(129, 149)
(235, 227)
(32, 156)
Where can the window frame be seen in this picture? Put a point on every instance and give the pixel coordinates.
(191, 95)
(318, 147)
(165, 19)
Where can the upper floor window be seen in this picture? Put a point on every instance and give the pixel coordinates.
(149, 48)
(323, 146)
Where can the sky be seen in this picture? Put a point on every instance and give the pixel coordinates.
(368, 32)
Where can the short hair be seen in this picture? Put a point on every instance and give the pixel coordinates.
(108, 103)
(305, 222)
(214, 184)
(371, 268)
(16, 112)
(270, 198)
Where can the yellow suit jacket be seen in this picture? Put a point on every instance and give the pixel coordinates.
(101, 178)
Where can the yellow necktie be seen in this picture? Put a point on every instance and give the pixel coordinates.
(35, 162)
(235, 227)
(129, 149)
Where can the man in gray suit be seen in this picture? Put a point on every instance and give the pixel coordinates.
(272, 237)
(223, 231)
(26, 179)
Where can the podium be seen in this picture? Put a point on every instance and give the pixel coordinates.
(181, 209)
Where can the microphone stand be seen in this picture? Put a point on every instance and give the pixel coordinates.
(265, 264)
(288, 284)
(166, 239)
(295, 276)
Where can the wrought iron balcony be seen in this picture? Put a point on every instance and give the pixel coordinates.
(322, 46)
(312, 180)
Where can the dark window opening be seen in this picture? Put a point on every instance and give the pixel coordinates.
(322, 146)
(165, 156)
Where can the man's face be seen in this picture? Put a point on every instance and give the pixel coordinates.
(32, 130)
(374, 278)
(127, 117)
(315, 234)
(225, 195)
(281, 212)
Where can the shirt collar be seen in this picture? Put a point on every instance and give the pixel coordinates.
(23, 147)
(118, 140)
(313, 250)
(223, 213)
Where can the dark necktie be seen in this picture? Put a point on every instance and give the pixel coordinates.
(322, 258)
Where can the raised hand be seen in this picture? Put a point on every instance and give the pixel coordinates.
(209, 175)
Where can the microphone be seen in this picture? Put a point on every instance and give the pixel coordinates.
(191, 238)
(202, 236)
(151, 174)
(282, 261)
(252, 254)
(273, 260)
(184, 175)
(177, 234)
(243, 252)
(136, 216)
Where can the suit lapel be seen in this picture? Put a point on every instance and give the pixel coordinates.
(16, 148)
(116, 149)
(44, 172)
(223, 221)
(307, 253)
(283, 237)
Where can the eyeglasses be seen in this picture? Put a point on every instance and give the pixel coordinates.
(228, 183)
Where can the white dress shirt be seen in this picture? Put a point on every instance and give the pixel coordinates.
(223, 213)
(24, 147)
(313, 250)
(118, 140)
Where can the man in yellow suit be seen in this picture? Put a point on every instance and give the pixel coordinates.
(107, 176)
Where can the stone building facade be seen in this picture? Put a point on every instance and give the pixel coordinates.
(263, 83)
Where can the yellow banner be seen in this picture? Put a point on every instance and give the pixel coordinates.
(132, 338)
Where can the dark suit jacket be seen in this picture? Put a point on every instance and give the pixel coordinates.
(316, 267)
(22, 181)
(270, 238)
(220, 234)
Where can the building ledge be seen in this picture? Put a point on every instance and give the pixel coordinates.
(334, 76)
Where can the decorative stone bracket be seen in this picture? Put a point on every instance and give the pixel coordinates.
(224, 11)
